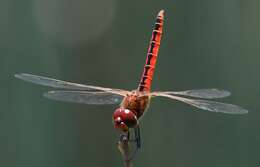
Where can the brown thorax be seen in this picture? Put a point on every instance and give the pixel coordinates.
(137, 102)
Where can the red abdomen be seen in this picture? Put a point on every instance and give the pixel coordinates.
(151, 57)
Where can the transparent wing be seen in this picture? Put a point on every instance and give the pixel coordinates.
(201, 93)
(40, 80)
(208, 105)
(98, 98)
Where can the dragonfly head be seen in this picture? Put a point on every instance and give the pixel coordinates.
(124, 119)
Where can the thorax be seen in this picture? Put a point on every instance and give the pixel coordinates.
(137, 102)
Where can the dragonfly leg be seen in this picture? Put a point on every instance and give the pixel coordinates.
(137, 142)
(125, 138)
(137, 137)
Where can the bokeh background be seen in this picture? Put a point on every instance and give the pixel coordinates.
(206, 44)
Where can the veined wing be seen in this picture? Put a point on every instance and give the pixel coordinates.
(201, 93)
(55, 83)
(207, 105)
(97, 98)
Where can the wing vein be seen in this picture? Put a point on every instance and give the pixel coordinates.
(208, 105)
(55, 83)
(96, 98)
(201, 93)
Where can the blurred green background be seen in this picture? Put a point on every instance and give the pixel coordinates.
(206, 44)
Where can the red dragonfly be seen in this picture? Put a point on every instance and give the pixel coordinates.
(133, 104)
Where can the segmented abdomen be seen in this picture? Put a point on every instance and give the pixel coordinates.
(151, 57)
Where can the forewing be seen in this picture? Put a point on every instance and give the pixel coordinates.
(201, 93)
(45, 81)
(208, 105)
(97, 98)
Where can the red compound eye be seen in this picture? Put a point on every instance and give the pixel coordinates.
(124, 119)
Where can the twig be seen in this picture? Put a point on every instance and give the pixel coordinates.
(123, 146)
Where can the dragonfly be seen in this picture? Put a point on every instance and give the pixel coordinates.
(133, 104)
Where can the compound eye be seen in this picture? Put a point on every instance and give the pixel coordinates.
(118, 120)
(126, 111)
